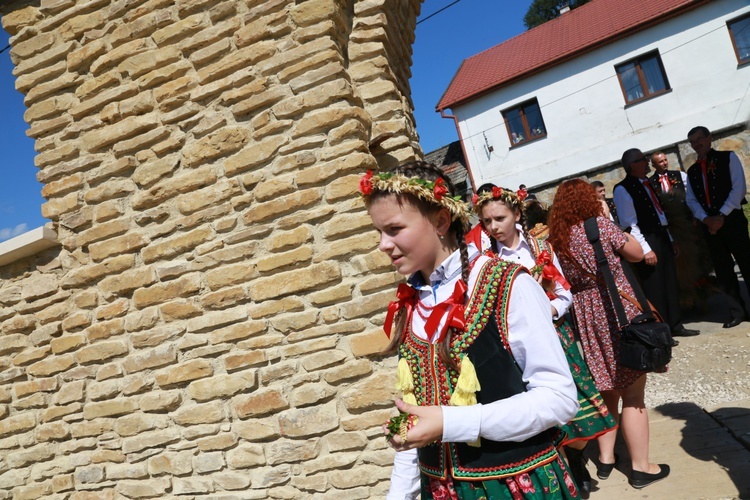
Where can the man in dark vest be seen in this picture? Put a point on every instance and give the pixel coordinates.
(693, 263)
(715, 195)
(641, 214)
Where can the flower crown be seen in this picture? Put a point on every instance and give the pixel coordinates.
(435, 192)
(507, 196)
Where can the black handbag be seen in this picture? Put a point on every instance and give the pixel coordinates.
(645, 343)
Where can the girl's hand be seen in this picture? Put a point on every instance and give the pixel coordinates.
(428, 428)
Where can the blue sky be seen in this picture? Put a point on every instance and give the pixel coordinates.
(442, 42)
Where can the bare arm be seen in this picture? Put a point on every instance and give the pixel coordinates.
(632, 251)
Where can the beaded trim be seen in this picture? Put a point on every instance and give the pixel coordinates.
(434, 192)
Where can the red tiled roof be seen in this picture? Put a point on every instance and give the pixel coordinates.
(590, 26)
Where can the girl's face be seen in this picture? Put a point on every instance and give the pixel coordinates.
(409, 238)
(500, 222)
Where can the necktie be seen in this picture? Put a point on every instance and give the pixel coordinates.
(664, 180)
(652, 194)
(702, 161)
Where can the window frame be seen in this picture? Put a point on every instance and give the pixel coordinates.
(654, 54)
(740, 61)
(524, 122)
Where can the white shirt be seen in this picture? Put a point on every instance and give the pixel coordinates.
(524, 256)
(550, 398)
(628, 218)
(733, 201)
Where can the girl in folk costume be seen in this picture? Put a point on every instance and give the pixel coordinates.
(501, 213)
(483, 382)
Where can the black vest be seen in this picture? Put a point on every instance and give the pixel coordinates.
(719, 181)
(648, 218)
(677, 189)
(484, 342)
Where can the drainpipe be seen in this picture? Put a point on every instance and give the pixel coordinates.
(461, 142)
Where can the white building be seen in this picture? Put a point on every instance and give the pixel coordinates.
(574, 93)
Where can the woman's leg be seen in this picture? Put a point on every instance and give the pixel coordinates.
(634, 425)
(607, 441)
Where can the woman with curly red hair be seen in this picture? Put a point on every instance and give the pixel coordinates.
(576, 201)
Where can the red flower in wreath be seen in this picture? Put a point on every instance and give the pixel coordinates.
(439, 190)
(497, 192)
(475, 199)
(365, 183)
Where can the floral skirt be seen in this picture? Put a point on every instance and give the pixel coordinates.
(549, 481)
(593, 417)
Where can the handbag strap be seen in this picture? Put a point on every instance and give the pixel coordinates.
(592, 233)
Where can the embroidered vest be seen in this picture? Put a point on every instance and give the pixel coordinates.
(485, 344)
(677, 187)
(719, 181)
(648, 219)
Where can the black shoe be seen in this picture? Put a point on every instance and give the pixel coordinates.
(578, 470)
(604, 470)
(734, 322)
(640, 480)
(684, 332)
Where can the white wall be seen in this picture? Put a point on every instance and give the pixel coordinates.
(584, 111)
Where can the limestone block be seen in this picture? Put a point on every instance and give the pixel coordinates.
(82, 275)
(46, 89)
(259, 101)
(126, 471)
(221, 386)
(56, 52)
(81, 58)
(70, 392)
(163, 75)
(372, 393)
(55, 431)
(293, 258)
(127, 281)
(253, 156)
(141, 320)
(185, 372)
(234, 274)
(260, 403)
(294, 281)
(271, 476)
(151, 488)
(27, 456)
(67, 343)
(236, 362)
(159, 356)
(76, 26)
(311, 394)
(162, 292)
(56, 207)
(332, 461)
(245, 456)
(142, 27)
(242, 58)
(191, 485)
(181, 29)
(111, 134)
(55, 412)
(176, 464)
(151, 439)
(208, 462)
(224, 298)
(26, 82)
(17, 19)
(87, 429)
(13, 343)
(208, 197)
(22, 389)
(297, 201)
(51, 365)
(64, 482)
(101, 351)
(199, 413)
(17, 423)
(367, 475)
(168, 188)
(291, 451)
(157, 401)
(144, 62)
(111, 408)
(231, 480)
(114, 309)
(114, 57)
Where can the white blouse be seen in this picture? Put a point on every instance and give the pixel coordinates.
(550, 398)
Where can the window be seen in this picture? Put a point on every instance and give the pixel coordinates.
(739, 31)
(642, 78)
(524, 123)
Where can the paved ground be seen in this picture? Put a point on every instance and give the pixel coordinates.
(706, 445)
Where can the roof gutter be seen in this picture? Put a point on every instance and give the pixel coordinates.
(461, 142)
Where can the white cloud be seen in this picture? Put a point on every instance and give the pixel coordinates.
(10, 232)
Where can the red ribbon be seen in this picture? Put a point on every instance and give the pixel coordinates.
(406, 296)
(549, 271)
(454, 307)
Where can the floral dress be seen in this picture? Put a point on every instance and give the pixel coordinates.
(595, 316)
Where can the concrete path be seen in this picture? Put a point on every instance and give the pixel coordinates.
(708, 449)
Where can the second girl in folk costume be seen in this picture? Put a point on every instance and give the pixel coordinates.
(477, 356)
(500, 213)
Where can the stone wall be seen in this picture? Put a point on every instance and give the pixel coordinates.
(210, 325)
